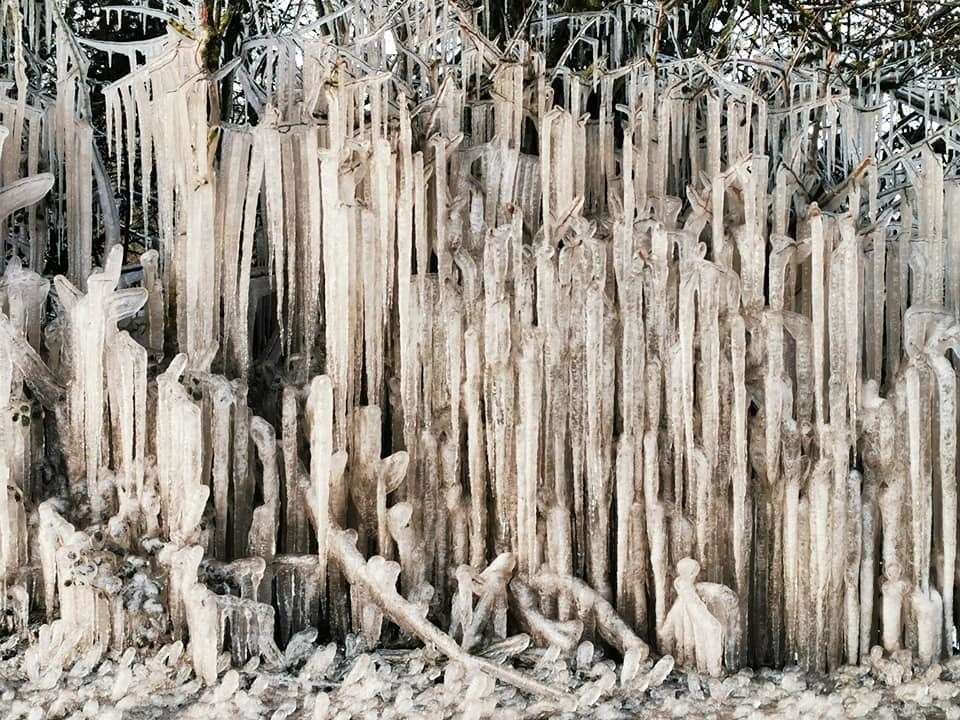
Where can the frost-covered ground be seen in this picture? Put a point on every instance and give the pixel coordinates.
(319, 681)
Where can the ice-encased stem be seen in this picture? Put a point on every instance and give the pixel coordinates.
(342, 549)
(320, 423)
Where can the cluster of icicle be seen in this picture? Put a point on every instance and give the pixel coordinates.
(636, 387)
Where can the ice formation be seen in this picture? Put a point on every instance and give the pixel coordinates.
(502, 360)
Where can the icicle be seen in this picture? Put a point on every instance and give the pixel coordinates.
(269, 140)
(93, 322)
(336, 258)
(528, 451)
(320, 420)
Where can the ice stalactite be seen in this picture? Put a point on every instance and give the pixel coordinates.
(126, 364)
(691, 632)
(23, 294)
(150, 261)
(654, 359)
(91, 331)
(296, 535)
(183, 495)
(373, 479)
(297, 590)
(322, 475)
(24, 192)
(262, 538)
(73, 150)
(212, 619)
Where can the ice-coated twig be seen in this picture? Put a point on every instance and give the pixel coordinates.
(590, 604)
(544, 631)
(342, 549)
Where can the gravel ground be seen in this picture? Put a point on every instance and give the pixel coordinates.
(321, 681)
